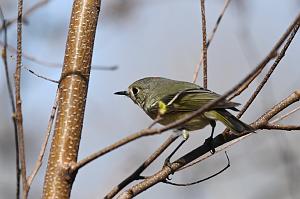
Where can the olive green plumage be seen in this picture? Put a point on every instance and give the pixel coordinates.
(182, 98)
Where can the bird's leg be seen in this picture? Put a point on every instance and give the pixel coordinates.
(210, 139)
(185, 136)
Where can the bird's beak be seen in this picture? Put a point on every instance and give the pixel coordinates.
(122, 93)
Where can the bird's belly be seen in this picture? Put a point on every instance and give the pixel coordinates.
(196, 123)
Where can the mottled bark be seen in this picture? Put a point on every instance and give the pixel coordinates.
(73, 89)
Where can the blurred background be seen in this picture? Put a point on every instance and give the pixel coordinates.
(158, 38)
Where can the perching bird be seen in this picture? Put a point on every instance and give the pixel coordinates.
(180, 99)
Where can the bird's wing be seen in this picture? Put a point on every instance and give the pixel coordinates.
(193, 99)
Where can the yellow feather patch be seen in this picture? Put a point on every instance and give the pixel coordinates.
(162, 108)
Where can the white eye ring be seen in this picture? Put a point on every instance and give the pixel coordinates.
(134, 90)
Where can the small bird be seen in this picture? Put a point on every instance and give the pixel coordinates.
(180, 99)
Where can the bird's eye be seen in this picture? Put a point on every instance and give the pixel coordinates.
(134, 90)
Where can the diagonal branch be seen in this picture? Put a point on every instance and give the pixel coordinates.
(285, 115)
(271, 70)
(136, 174)
(39, 161)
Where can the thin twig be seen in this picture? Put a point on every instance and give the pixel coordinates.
(39, 161)
(136, 174)
(12, 102)
(272, 54)
(204, 47)
(285, 115)
(282, 127)
(19, 117)
(210, 38)
(39, 76)
(27, 12)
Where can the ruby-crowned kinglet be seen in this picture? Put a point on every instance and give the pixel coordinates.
(178, 99)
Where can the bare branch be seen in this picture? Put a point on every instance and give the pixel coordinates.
(282, 127)
(19, 117)
(136, 174)
(39, 161)
(40, 76)
(279, 107)
(72, 90)
(285, 115)
(204, 47)
(12, 102)
(211, 36)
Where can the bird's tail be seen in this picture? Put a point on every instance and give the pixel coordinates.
(230, 121)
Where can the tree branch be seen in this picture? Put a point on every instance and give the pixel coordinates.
(19, 117)
(72, 89)
(39, 161)
(12, 102)
(136, 174)
(204, 47)
(211, 36)
(285, 115)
